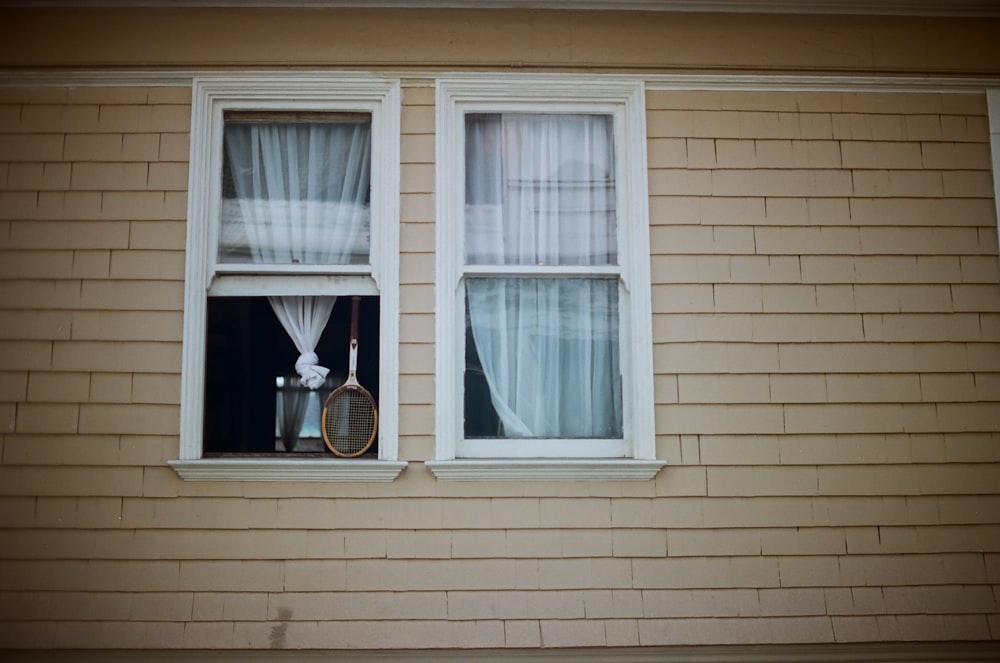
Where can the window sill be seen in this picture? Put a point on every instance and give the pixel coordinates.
(505, 469)
(290, 469)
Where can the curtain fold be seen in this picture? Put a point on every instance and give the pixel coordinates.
(304, 319)
(301, 196)
(540, 191)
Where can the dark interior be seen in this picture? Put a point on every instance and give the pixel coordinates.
(247, 349)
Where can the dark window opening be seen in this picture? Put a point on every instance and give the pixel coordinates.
(481, 419)
(250, 371)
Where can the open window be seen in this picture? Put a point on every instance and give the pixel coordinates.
(543, 281)
(256, 402)
(293, 203)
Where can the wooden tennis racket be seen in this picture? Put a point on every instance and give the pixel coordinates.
(350, 417)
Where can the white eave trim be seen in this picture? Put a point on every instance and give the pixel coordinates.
(952, 8)
(535, 469)
(287, 469)
(653, 81)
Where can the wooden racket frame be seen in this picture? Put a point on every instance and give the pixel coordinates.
(351, 384)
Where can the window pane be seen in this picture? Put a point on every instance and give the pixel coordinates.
(542, 358)
(540, 190)
(296, 192)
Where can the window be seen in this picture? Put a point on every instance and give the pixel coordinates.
(543, 293)
(292, 214)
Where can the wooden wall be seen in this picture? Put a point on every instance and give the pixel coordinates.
(826, 298)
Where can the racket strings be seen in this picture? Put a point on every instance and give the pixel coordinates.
(349, 422)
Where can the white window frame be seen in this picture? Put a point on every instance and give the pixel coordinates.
(212, 95)
(634, 457)
(993, 111)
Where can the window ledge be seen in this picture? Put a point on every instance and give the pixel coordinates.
(573, 469)
(290, 469)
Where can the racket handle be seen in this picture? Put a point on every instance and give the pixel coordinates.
(352, 366)
(355, 307)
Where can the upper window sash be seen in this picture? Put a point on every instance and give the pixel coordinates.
(540, 189)
(216, 266)
(458, 96)
(295, 190)
(353, 101)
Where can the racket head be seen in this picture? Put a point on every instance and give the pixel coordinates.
(349, 421)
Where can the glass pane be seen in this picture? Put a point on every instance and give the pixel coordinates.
(542, 358)
(296, 192)
(540, 189)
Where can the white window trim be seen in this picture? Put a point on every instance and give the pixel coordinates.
(993, 109)
(211, 95)
(625, 100)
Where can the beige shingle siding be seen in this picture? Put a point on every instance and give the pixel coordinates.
(92, 287)
(416, 324)
(826, 327)
(92, 253)
(828, 308)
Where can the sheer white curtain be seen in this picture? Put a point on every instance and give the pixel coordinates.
(540, 191)
(301, 197)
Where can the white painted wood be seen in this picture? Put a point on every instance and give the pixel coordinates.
(449, 247)
(745, 82)
(196, 278)
(287, 469)
(813, 83)
(569, 271)
(625, 101)
(212, 94)
(993, 104)
(385, 261)
(297, 270)
(609, 469)
(547, 448)
(244, 285)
